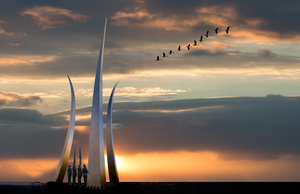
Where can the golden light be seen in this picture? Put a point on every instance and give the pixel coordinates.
(119, 162)
(176, 166)
(202, 166)
(35, 168)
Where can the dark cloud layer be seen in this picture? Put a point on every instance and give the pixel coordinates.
(248, 128)
(27, 133)
(256, 128)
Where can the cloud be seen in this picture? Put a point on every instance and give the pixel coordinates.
(28, 134)
(21, 116)
(134, 92)
(131, 53)
(49, 17)
(241, 128)
(146, 92)
(18, 100)
(252, 128)
(14, 44)
(256, 22)
(238, 128)
(3, 32)
(235, 59)
(249, 22)
(140, 16)
(25, 60)
(9, 34)
(214, 57)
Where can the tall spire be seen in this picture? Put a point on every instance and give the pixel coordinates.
(64, 159)
(111, 160)
(96, 148)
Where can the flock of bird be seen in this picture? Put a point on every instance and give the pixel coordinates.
(195, 42)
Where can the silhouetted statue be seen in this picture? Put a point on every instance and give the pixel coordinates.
(201, 38)
(79, 171)
(74, 169)
(74, 175)
(69, 174)
(216, 30)
(188, 46)
(85, 172)
(227, 29)
(178, 48)
(164, 54)
(207, 33)
(170, 52)
(157, 58)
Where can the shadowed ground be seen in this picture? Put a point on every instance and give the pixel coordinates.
(161, 187)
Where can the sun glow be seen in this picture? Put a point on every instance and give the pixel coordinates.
(202, 166)
(166, 166)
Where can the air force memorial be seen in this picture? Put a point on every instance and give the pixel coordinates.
(94, 176)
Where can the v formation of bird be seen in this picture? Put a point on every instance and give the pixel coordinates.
(195, 42)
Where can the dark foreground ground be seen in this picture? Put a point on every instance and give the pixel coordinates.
(161, 187)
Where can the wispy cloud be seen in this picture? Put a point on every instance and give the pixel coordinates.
(49, 17)
(6, 33)
(135, 92)
(3, 32)
(251, 27)
(140, 16)
(179, 110)
(28, 60)
(16, 99)
(14, 44)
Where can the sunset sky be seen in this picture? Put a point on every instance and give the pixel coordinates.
(227, 110)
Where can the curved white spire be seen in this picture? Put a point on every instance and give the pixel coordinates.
(96, 164)
(64, 159)
(111, 160)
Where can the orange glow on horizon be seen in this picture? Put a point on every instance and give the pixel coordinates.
(202, 166)
(180, 166)
(31, 168)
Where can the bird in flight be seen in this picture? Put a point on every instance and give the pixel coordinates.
(195, 43)
(188, 46)
(207, 33)
(227, 30)
(201, 38)
(216, 30)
